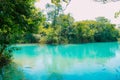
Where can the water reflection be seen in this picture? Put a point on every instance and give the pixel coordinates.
(55, 76)
(73, 51)
(70, 62)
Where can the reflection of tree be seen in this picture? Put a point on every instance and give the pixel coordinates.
(55, 76)
(95, 50)
(12, 72)
(29, 50)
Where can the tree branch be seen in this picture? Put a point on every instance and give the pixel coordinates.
(67, 5)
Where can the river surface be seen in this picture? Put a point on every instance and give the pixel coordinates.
(92, 61)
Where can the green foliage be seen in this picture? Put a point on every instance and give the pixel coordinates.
(102, 20)
(19, 19)
(92, 31)
(106, 33)
(48, 35)
(68, 31)
(55, 9)
(117, 14)
(85, 31)
(64, 20)
(5, 59)
(53, 12)
(57, 2)
(60, 33)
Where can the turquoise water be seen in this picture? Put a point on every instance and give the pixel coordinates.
(93, 61)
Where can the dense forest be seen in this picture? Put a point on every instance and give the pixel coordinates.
(21, 22)
(66, 30)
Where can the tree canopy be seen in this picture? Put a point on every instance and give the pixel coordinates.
(17, 18)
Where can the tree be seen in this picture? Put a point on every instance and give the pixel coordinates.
(95, 31)
(66, 31)
(102, 20)
(52, 12)
(57, 2)
(65, 20)
(106, 33)
(17, 18)
(117, 14)
(85, 31)
(55, 9)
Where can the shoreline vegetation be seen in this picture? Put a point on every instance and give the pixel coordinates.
(22, 44)
(87, 31)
